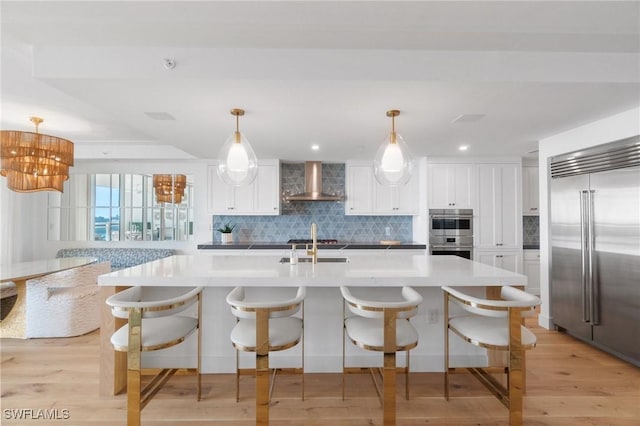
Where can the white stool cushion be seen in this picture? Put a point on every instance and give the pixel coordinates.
(282, 332)
(488, 330)
(158, 331)
(370, 332)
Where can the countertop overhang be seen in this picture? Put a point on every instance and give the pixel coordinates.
(378, 268)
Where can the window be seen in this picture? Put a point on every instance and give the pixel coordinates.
(117, 207)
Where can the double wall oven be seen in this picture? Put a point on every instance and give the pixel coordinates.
(451, 232)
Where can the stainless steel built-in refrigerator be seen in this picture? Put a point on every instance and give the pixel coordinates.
(595, 246)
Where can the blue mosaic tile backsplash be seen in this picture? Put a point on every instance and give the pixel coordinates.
(531, 230)
(296, 217)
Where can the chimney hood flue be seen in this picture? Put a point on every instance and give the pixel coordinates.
(313, 185)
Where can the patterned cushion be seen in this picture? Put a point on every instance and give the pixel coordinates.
(119, 257)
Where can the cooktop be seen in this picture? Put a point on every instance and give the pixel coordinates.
(309, 241)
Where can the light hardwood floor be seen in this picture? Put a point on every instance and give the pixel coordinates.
(568, 383)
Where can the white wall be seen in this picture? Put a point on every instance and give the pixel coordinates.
(22, 224)
(619, 126)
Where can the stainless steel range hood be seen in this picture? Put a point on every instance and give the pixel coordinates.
(313, 185)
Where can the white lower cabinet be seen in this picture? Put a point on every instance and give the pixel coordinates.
(532, 270)
(511, 260)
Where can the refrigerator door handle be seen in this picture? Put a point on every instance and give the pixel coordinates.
(584, 231)
(593, 306)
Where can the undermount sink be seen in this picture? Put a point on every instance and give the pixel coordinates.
(320, 260)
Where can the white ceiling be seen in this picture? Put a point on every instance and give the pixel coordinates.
(315, 72)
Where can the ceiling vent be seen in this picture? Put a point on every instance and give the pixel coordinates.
(468, 118)
(160, 116)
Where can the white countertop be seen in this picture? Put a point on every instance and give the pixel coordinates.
(371, 269)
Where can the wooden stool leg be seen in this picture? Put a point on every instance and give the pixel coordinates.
(134, 350)
(262, 367)
(406, 377)
(446, 346)
(389, 374)
(389, 390)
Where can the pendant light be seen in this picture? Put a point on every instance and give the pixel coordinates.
(393, 163)
(169, 188)
(238, 164)
(34, 162)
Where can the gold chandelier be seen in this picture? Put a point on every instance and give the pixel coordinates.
(34, 162)
(169, 188)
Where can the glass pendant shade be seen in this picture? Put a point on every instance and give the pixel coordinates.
(393, 163)
(238, 164)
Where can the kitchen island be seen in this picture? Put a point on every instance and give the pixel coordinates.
(323, 309)
(323, 304)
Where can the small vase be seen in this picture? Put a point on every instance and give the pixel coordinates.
(226, 238)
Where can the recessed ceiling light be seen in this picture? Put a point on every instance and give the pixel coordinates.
(463, 147)
(315, 147)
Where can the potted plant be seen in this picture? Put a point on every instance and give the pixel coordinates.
(226, 233)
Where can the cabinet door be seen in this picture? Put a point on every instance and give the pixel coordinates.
(509, 260)
(499, 223)
(439, 197)
(396, 200)
(450, 186)
(530, 191)
(532, 270)
(462, 189)
(267, 190)
(359, 197)
(407, 196)
(384, 198)
(221, 197)
(259, 198)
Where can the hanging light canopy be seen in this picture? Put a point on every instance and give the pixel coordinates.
(169, 188)
(34, 162)
(393, 163)
(238, 164)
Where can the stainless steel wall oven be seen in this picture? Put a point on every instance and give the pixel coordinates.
(451, 232)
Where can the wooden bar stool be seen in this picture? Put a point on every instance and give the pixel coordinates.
(154, 324)
(382, 324)
(497, 325)
(264, 325)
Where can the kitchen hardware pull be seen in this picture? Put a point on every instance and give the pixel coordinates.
(457, 216)
(593, 307)
(583, 257)
(452, 248)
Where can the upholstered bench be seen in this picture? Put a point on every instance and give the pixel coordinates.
(119, 257)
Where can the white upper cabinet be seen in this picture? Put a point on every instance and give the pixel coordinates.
(365, 196)
(450, 186)
(530, 191)
(498, 216)
(262, 197)
(358, 188)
